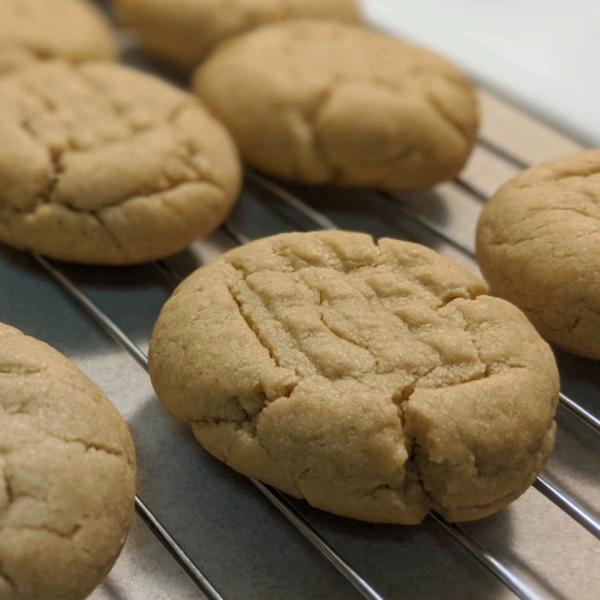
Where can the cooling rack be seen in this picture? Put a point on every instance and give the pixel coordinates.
(229, 537)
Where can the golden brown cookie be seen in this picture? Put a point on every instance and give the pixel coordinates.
(32, 30)
(378, 381)
(67, 473)
(103, 164)
(186, 31)
(324, 103)
(538, 245)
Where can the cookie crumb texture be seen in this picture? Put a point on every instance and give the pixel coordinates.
(538, 245)
(331, 103)
(103, 164)
(376, 381)
(67, 475)
(185, 32)
(32, 30)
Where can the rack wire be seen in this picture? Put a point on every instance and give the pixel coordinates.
(566, 512)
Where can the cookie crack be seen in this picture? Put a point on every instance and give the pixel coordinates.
(392, 86)
(247, 423)
(183, 105)
(69, 535)
(21, 369)
(407, 392)
(266, 449)
(490, 367)
(55, 156)
(382, 487)
(568, 209)
(202, 176)
(337, 172)
(448, 118)
(39, 95)
(289, 256)
(13, 496)
(311, 117)
(472, 331)
(585, 306)
(57, 171)
(409, 437)
(500, 500)
(33, 134)
(10, 494)
(118, 110)
(345, 338)
(100, 220)
(260, 338)
(252, 325)
(88, 445)
(6, 577)
(559, 177)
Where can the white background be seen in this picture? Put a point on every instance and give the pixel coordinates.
(541, 54)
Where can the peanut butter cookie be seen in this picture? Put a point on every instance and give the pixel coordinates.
(32, 30)
(538, 244)
(100, 163)
(378, 381)
(330, 103)
(67, 473)
(186, 31)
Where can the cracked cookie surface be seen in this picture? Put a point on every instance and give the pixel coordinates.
(331, 103)
(538, 244)
(377, 381)
(185, 32)
(32, 30)
(67, 475)
(103, 164)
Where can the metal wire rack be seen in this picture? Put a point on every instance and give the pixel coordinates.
(226, 532)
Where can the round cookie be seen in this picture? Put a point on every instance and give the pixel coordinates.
(186, 31)
(74, 30)
(538, 245)
(329, 103)
(67, 472)
(101, 163)
(377, 381)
